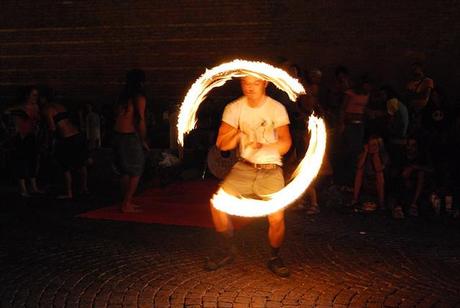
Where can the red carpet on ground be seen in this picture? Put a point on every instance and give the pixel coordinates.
(184, 203)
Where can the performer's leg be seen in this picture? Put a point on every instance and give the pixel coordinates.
(276, 233)
(313, 197)
(224, 249)
(237, 183)
(222, 222)
(276, 229)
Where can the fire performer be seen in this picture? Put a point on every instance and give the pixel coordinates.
(259, 126)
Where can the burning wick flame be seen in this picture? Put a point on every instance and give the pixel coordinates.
(307, 169)
(218, 76)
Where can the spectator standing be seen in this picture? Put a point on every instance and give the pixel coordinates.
(25, 156)
(70, 148)
(371, 165)
(350, 128)
(93, 128)
(336, 97)
(397, 125)
(130, 136)
(418, 93)
(308, 104)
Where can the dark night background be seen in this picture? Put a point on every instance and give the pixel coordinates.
(83, 48)
(50, 257)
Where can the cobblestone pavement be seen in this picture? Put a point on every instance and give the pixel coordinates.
(48, 258)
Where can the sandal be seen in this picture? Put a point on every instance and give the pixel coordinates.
(369, 206)
(398, 213)
(218, 259)
(313, 210)
(352, 204)
(413, 210)
(276, 265)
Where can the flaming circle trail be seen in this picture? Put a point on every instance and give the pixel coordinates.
(307, 169)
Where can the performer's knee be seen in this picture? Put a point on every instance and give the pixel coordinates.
(276, 219)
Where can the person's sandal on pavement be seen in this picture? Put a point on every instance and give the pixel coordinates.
(218, 259)
(276, 265)
(369, 206)
(413, 210)
(313, 210)
(398, 213)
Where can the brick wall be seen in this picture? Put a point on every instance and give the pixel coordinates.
(83, 48)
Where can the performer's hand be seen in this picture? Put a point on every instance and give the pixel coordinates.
(255, 145)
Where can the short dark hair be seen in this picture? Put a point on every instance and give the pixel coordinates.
(24, 92)
(389, 91)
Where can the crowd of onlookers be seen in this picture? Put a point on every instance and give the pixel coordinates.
(36, 126)
(388, 149)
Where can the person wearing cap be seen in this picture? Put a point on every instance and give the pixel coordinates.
(397, 124)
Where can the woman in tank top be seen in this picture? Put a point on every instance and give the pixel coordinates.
(25, 155)
(70, 147)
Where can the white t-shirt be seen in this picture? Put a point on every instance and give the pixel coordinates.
(258, 125)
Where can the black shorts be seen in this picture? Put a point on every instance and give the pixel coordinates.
(24, 157)
(71, 152)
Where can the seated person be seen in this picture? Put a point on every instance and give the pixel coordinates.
(408, 181)
(396, 126)
(370, 166)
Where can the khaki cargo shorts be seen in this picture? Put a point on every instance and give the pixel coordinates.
(249, 182)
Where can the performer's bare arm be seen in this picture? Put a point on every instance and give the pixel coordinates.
(284, 140)
(228, 137)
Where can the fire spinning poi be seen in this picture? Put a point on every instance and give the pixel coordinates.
(307, 169)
